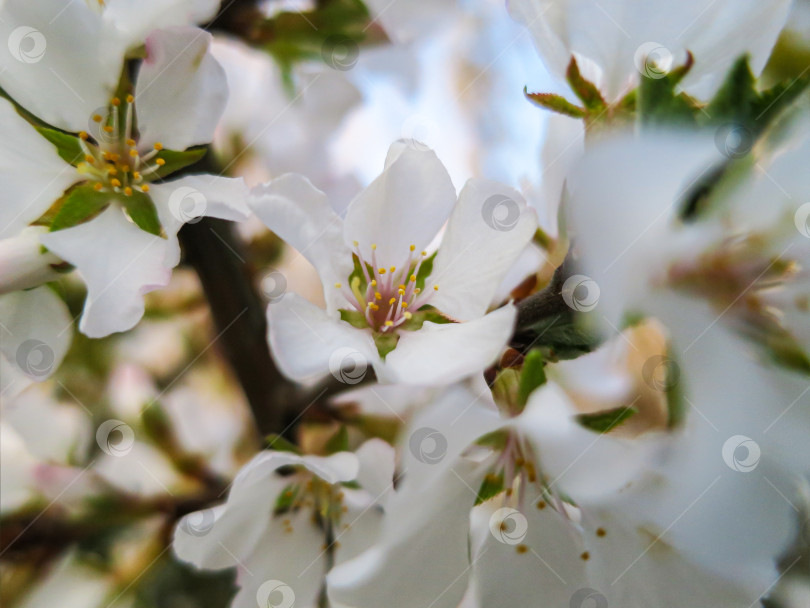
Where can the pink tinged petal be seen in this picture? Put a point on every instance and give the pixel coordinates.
(540, 556)
(52, 60)
(181, 90)
(307, 344)
(488, 229)
(192, 197)
(33, 174)
(35, 333)
(406, 205)
(119, 262)
(445, 353)
(301, 215)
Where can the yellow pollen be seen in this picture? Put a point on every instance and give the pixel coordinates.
(145, 188)
(413, 247)
(115, 101)
(136, 175)
(96, 117)
(83, 135)
(158, 146)
(413, 278)
(133, 153)
(130, 142)
(389, 323)
(130, 99)
(97, 186)
(401, 292)
(373, 246)
(374, 282)
(391, 301)
(435, 288)
(404, 305)
(115, 182)
(424, 253)
(355, 243)
(381, 270)
(375, 308)
(417, 291)
(128, 191)
(112, 170)
(393, 268)
(160, 162)
(124, 168)
(407, 315)
(338, 285)
(377, 295)
(108, 129)
(89, 158)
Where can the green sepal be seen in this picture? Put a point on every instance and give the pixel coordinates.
(425, 270)
(674, 393)
(561, 336)
(355, 318)
(280, 444)
(142, 211)
(735, 99)
(178, 160)
(286, 498)
(555, 103)
(495, 439)
(339, 442)
(658, 101)
(80, 205)
(490, 488)
(772, 101)
(532, 375)
(505, 390)
(385, 343)
(603, 422)
(585, 90)
(426, 313)
(66, 145)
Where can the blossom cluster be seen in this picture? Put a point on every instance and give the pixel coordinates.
(583, 387)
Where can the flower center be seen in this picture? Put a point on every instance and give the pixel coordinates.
(387, 296)
(113, 161)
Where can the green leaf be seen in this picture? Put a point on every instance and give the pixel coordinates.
(658, 102)
(355, 318)
(584, 89)
(385, 343)
(602, 422)
(425, 270)
(555, 103)
(80, 205)
(142, 211)
(66, 145)
(339, 442)
(771, 102)
(490, 487)
(178, 160)
(280, 444)
(532, 376)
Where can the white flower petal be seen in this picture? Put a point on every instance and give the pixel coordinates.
(307, 344)
(52, 63)
(376, 474)
(35, 333)
(406, 205)
(488, 228)
(123, 263)
(23, 263)
(181, 90)
(33, 174)
(445, 353)
(300, 214)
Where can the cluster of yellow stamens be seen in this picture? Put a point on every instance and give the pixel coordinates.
(325, 500)
(112, 160)
(390, 295)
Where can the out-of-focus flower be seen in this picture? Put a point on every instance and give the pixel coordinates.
(617, 41)
(288, 518)
(378, 277)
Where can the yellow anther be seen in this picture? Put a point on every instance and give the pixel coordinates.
(373, 246)
(133, 153)
(112, 170)
(124, 168)
(404, 305)
(145, 188)
(115, 101)
(96, 117)
(160, 162)
(338, 285)
(108, 129)
(401, 292)
(114, 157)
(424, 253)
(407, 315)
(130, 142)
(435, 288)
(413, 247)
(130, 99)
(136, 175)
(115, 183)
(375, 308)
(377, 295)
(391, 301)
(389, 323)
(83, 135)
(413, 278)
(417, 291)
(373, 282)
(381, 270)
(393, 268)
(97, 186)
(355, 243)
(158, 146)
(90, 159)
(128, 191)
